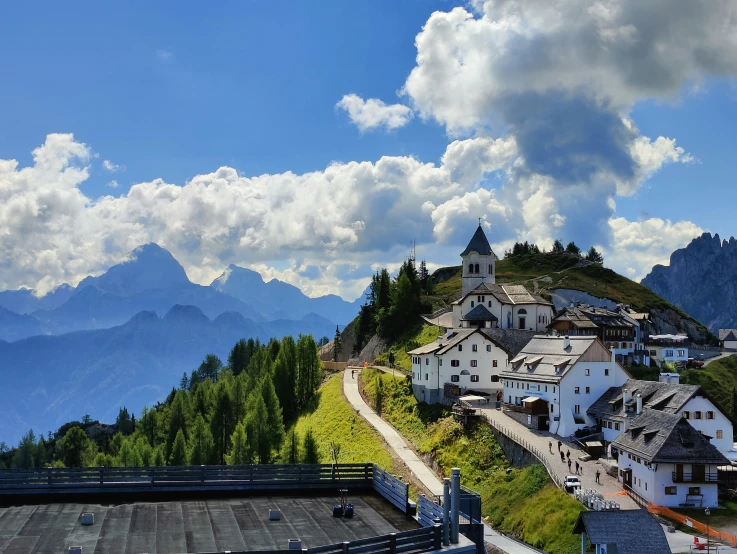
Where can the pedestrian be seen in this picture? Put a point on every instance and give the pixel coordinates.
(550, 446)
(568, 454)
(562, 457)
(576, 468)
(569, 466)
(598, 473)
(559, 445)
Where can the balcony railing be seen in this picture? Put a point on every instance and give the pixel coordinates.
(695, 478)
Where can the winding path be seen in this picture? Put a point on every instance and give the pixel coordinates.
(417, 466)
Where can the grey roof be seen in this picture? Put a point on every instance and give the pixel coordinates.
(554, 360)
(479, 243)
(724, 332)
(730, 336)
(667, 438)
(507, 294)
(454, 338)
(480, 313)
(666, 397)
(633, 531)
(585, 316)
(512, 340)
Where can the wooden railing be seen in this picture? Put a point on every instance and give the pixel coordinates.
(695, 477)
(391, 488)
(417, 540)
(527, 446)
(185, 478)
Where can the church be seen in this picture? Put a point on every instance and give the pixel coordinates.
(492, 322)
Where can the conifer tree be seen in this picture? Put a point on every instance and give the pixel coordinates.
(239, 399)
(257, 428)
(310, 454)
(593, 255)
(337, 345)
(184, 382)
(159, 459)
(179, 455)
(274, 417)
(25, 455)
(284, 378)
(221, 423)
(73, 447)
(239, 453)
(291, 450)
(200, 443)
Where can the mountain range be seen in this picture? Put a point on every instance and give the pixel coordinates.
(126, 336)
(152, 280)
(702, 280)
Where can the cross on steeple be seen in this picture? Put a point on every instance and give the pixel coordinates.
(479, 222)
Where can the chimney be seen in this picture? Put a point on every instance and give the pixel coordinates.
(627, 396)
(566, 343)
(639, 404)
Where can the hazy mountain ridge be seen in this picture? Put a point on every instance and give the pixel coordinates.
(49, 380)
(153, 280)
(702, 280)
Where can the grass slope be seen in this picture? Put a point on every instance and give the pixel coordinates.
(520, 502)
(718, 379)
(418, 335)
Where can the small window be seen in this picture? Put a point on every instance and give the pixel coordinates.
(474, 348)
(681, 353)
(474, 378)
(489, 303)
(454, 378)
(494, 363)
(460, 348)
(616, 426)
(465, 372)
(427, 361)
(425, 376)
(470, 268)
(720, 434)
(645, 485)
(472, 303)
(455, 363)
(488, 348)
(546, 388)
(671, 491)
(697, 415)
(686, 415)
(606, 371)
(694, 490)
(490, 270)
(577, 408)
(474, 363)
(494, 378)
(588, 390)
(588, 372)
(608, 424)
(577, 390)
(440, 362)
(553, 389)
(709, 415)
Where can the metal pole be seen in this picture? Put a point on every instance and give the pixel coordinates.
(455, 503)
(708, 513)
(446, 511)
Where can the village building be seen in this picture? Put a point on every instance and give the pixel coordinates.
(618, 407)
(730, 341)
(668, 348)
(611, 532)
(619, 330)
(553, 381)
(664, 460)
(462, 360)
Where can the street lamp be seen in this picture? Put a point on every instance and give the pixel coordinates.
(707, 513)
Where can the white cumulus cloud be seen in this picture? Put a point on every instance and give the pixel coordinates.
(372, 113)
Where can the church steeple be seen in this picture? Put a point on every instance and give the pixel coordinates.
(478, 262)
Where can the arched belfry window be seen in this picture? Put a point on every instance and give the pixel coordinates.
(490, 271)
(477, 269)
(470, 268)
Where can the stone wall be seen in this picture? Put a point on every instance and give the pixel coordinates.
(516, 454)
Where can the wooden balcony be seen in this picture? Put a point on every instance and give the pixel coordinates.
(695, 477)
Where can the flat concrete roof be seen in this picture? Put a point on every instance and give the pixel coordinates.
(194, 526)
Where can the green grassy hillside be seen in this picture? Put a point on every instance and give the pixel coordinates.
(523, 503)
(719, 380)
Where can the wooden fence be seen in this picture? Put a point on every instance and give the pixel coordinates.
(427, 511)
(391, 488)
(417, 540)
(187, 478)
(334, 366)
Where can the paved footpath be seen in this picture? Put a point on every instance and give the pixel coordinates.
(416, 466)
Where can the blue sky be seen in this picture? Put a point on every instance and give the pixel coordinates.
(177, 90)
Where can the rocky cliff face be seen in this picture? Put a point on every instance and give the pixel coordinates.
(702, 280)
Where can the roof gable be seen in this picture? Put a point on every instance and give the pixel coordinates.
(730, 337)
(616, 527)
(479, 313)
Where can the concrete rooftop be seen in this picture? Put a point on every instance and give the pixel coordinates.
(194, 526)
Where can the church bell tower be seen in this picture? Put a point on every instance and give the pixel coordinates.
(479, 262)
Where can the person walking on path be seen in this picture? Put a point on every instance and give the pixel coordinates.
(598, 474)
(576, 468)
(550, 446)
(568, 454)
(569, 466)
(562, 457)
(559, 445)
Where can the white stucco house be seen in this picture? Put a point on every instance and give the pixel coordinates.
(663, 459)
(553, 381)
(730, 341)
(466, 359)
(668, 348)
(618, 407)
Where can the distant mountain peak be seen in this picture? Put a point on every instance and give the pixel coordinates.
(178, 312)
(236, 276)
